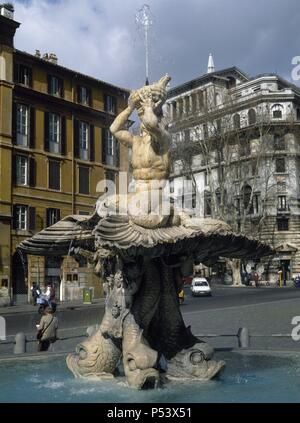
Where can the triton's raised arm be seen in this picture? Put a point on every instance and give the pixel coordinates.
(118, 127)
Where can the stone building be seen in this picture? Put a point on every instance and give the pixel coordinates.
(242, 142)
(54, 148)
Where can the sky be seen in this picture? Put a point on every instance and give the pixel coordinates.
(101, 38)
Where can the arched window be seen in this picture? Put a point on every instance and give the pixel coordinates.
(237, 121)
(277, 111)
(252, 116)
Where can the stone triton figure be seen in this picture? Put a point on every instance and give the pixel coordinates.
(150, 158)
(142, 254)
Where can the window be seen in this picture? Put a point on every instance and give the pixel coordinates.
(23, 75)
(277, 111)
(54, 133)
(279, 142)
(237, 121)
(54, 175)
(171, 186)
(205, 130)
(110, 149)
(282, 224)
(282, 203)
(110, 176)
(21, 216)
(110, 104)
(22, 125)
(22, 170)
(55, 86)
(252, 117)
(255, 204)
(84, 180)
(24, 218)
(207, 204)
(84, 141)
(245, 148)
(205, 178)
(298, 113)
(248, 206)
(53, 216)
(84, 95)
(280, 165)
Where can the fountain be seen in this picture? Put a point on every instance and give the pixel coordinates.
(141, 244)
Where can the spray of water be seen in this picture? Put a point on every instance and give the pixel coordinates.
(144, 20)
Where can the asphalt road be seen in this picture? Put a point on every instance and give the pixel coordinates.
(264, 311)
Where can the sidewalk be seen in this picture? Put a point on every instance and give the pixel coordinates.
(61, 306)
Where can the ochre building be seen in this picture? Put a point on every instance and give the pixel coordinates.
(54, 149)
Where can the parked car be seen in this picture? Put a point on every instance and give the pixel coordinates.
(200, 287)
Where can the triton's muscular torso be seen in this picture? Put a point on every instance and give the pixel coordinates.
(150, 160)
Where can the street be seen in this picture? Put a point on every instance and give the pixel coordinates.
(264, 311)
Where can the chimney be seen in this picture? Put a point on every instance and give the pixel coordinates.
(53, 58)
(37, 53)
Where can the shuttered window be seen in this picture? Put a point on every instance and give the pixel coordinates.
(84, 96)
(54, 175)
(84, 180)
(84, 140)
(22, 124)
(22, 170)
(53, 216)
(110, 104)
(23, 75)
(55, 86)
(24, 218)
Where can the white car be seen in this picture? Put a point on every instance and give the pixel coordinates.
(200, 286)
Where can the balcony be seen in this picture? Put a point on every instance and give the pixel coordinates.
(283, 210)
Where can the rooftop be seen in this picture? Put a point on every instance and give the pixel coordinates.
(74, 73)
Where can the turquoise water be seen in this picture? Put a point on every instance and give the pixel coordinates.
(247, 378)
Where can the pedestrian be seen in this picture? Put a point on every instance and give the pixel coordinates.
(49, 296)
(256, 279)
(47, 330)
(36, 292)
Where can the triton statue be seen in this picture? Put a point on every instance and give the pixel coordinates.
(140, 244)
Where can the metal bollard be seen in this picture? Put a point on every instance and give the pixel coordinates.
(20, 343)
(243, 338)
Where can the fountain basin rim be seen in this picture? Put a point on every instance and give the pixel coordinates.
(242, 351)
